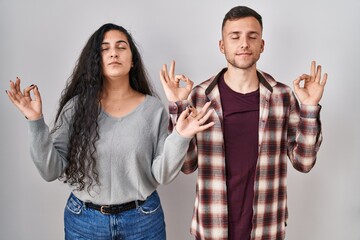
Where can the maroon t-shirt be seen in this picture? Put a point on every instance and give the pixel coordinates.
(241, 128)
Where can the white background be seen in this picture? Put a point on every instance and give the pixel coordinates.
(41, 40)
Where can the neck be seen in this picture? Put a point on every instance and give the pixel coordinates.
(242, 80)
(117, 89)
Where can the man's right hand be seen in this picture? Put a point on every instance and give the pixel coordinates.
(171, 84)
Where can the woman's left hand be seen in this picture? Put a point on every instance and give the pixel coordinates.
(191, 122)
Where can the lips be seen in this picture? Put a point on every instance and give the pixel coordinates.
(244, 53)
(114, 63)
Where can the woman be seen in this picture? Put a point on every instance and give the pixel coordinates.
(110, 142)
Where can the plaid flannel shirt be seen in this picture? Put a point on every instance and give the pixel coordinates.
(285, 130)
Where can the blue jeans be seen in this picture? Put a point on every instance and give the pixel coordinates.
(146, 222)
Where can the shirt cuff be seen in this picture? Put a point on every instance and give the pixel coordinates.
(307, 111)
(178, 107)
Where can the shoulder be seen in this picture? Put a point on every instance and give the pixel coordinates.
(276, 85)
(71, 103)
(209, 84)
(200, 89)
(205, 84)
(153, 106)
(153, 102)
(154, 112)
(69, 108)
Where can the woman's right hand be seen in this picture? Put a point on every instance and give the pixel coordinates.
(31, 108)
(171, 84)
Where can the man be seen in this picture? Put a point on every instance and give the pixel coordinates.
(242, 160)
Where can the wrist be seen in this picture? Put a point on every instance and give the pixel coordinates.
(33, 117)
(310, 103)
(183, 134)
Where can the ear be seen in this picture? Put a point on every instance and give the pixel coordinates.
(221, 46)
(262, 45)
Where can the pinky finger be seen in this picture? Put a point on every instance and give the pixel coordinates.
(11, 97)
(297, 83)
(324, 79)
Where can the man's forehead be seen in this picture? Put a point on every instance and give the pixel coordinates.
(242, 25)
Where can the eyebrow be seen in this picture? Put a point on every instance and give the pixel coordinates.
(120, 41)
(239, 32)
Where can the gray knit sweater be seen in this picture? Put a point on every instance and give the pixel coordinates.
(133, 155)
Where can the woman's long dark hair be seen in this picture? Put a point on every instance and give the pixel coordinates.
(86, 84)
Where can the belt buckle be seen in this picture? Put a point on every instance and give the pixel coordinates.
(102, 210)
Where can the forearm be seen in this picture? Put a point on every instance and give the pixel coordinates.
(304, 145)
(190, 161)
(50, 161)
(167, 165)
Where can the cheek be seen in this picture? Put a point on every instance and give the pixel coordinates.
(102, 60)
(129, 58)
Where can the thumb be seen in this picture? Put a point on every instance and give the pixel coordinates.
(37, 95)
(184, 114)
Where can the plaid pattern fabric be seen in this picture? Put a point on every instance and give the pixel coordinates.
(285, 131)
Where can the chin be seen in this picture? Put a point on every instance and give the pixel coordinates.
(114, 74)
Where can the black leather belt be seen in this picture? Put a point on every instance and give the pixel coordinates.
(114, 209)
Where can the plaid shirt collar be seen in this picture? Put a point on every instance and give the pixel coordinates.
(212, 91)
(266, 82)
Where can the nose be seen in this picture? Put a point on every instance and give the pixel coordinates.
(113, 53)
(244, 43)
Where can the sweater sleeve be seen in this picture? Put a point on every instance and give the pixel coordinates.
(175, 109)
(170, 152)
(49, 151)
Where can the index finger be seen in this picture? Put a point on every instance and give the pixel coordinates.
(28, 89)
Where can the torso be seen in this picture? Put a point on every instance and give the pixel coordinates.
(122, 107)
(240, 124)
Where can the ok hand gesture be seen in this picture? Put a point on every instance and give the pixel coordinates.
(31, 108)
(171, 84)
(191, 122)
(312, 91)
